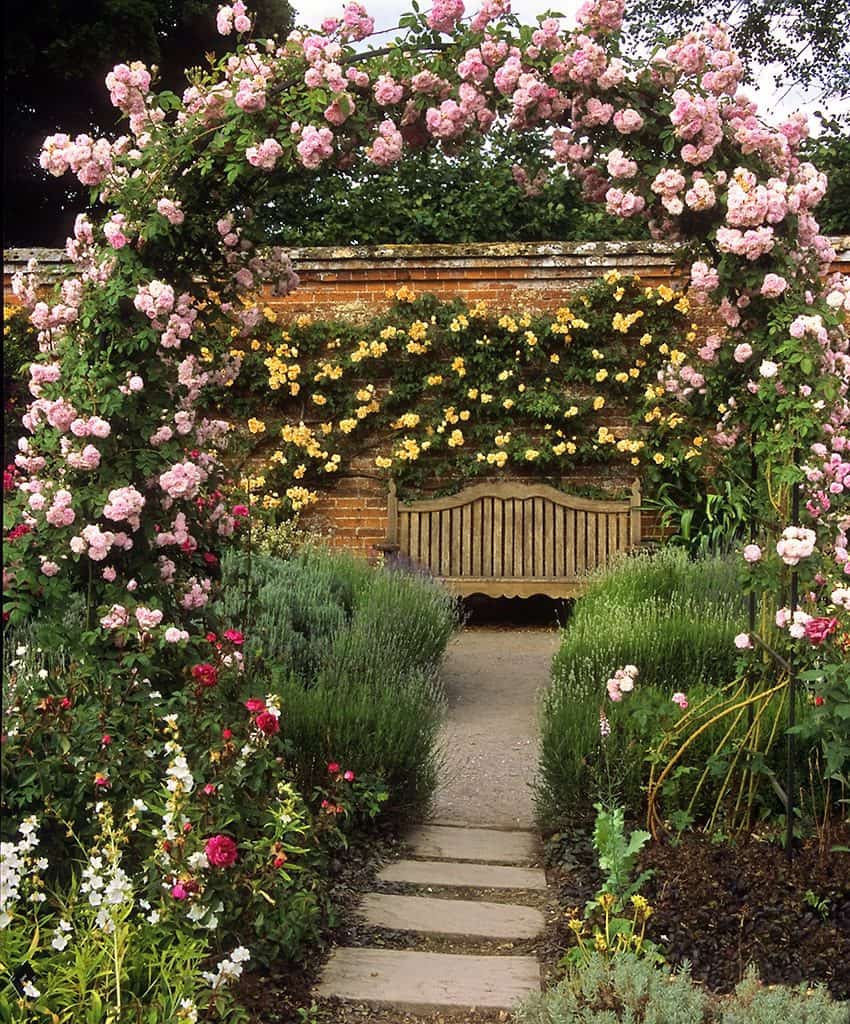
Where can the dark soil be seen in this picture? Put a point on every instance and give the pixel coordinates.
(722, 906)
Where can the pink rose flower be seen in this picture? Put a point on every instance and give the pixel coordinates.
(819, 629)
(221, 851)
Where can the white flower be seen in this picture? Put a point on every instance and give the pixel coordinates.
(29, 990)
(768, 368)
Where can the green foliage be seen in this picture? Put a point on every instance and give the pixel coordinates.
(629, 990)
(617, 855)
(673, 618)
(56, 60)
(703, 521)
(20, 348)
(448, 390)
(830, 153)
(352, 651)
(391, 730)
(442, 198)
(625, 988)
(753, 1003)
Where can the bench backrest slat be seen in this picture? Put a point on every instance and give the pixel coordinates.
(512, 531)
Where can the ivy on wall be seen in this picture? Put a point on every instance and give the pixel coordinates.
(434, 391)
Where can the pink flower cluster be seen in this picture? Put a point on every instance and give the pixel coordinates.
(183, 480)
(125, 504)
(97, 543)
(264, 156)
(197, 593)
(233, 17)
(170, 209)
(697, 119)
(60, 512)
(251, 94)
(795, 624)
(356, 23)
(797, 543)
(315, 146)
(114, 231)
(128, 86)
(90, 160)
(752, 244)
(43, 373)
(116, 617)
(387, 91)
(445, 14)
(148, 618)
(601, 15)
(387, 147)
(155, 299)
(88, 459)
(623, 681)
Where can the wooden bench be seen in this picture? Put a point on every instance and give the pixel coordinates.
(511, 539)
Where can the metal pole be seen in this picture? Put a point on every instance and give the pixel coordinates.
(791, 747)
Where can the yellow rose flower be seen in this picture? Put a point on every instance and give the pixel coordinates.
(256, 426)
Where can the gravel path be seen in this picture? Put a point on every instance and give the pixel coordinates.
(492, 678)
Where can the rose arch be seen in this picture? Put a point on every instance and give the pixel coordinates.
(117, 484)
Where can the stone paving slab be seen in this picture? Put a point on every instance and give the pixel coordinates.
(414, 981)
(473, 918)
(474, 876)
(480, 844)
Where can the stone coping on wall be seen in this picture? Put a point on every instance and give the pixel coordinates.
(315, 261)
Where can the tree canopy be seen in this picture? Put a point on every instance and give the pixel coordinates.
(56, 59)
(806, 39)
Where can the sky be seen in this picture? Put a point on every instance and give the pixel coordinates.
(774, 105)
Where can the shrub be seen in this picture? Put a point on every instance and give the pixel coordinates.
(352, 650)
(629, 989)
(672, 617)
(624, 988)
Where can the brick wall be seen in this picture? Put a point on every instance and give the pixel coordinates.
(353, 283)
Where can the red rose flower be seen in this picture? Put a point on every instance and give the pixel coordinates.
(817, 630)
(254, 704)
(227, 734)
(240, 510)
(268, 723)
(221, 851)
(234, 636)
(349, 776)
(333, 768)
(819, 702)
(205, 674)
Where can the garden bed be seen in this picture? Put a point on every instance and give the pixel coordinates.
(724, 905)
